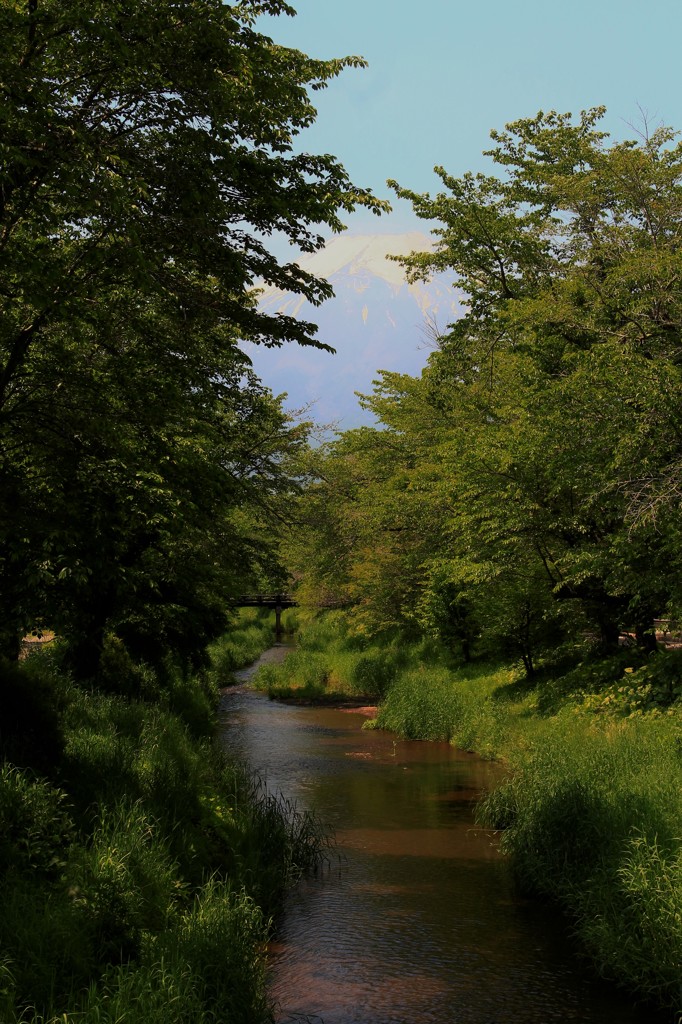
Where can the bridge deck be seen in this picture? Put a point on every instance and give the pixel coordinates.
(266, 601)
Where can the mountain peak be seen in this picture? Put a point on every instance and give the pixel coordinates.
(354, 253)
(376, 319)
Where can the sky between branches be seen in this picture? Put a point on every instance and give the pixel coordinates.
(442, 73)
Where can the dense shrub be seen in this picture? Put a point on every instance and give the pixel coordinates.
(107, 912)
(37, 828)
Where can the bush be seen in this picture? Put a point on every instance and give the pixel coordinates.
(119, 673)
(374, 672)
(31, 703)
(422, 704)
(37, 828)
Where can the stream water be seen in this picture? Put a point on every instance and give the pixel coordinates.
(417, 920)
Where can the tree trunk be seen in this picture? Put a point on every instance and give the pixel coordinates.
(84, 655)
(609, 629)
(85, 650)
(528, 663)
(645, 633)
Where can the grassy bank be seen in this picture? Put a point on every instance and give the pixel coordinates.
(139, 868)
(331, 662)
(253, 631)
(591, 813)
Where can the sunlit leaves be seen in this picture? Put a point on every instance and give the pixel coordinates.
(540, 453)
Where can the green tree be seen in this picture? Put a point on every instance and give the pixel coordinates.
(570, 260)
(373, 512)
(147, 155)
(525, 490)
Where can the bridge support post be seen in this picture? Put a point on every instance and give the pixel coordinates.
(278, 621)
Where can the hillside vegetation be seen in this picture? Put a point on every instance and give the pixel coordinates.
(139, 867)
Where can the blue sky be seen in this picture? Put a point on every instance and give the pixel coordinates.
(442, 73)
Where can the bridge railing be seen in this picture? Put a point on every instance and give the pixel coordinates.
(266, 601)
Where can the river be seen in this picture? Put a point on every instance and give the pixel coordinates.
(417, 918)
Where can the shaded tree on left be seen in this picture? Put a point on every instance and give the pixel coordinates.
(147, 153)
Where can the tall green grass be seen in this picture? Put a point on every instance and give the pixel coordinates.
(207, 965)
(591, 812)
(253, 631)
(139, 869)
(592, 817)
(459, 705)
(332, 661)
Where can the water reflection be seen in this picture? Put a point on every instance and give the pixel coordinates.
(418, 920)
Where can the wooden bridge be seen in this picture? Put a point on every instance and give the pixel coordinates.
(277, 601)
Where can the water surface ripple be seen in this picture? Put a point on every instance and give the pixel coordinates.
(418, 919)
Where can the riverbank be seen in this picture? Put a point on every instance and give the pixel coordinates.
(139, 867)
(591, 814)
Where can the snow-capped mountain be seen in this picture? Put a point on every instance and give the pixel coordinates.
(376, 320)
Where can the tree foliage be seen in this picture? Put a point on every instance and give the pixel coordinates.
(147, 153)
(547, 423)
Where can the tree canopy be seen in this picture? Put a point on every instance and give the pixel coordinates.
(147, 155)
(540, 450)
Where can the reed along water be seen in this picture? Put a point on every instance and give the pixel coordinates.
(417, 920)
